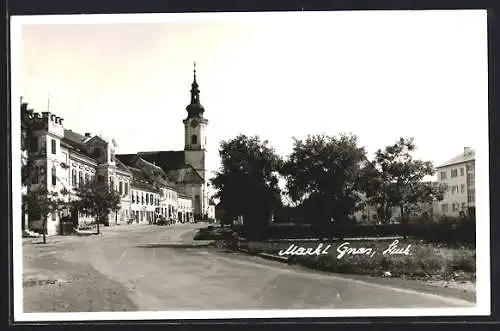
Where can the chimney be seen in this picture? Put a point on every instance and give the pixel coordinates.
(87, 134)
(467, 150)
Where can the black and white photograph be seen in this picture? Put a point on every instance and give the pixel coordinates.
(250, 165)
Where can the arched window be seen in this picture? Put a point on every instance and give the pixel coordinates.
(194, 139)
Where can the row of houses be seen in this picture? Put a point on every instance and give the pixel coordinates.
(66, 159)
(167, 184)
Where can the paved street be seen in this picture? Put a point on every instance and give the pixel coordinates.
(152, 268)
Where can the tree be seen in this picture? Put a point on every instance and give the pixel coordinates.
(247, 183)
(32, 173)
(40, 203)
(96, 199)
(322, 176)
(395, 179)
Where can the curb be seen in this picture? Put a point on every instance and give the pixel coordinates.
(175, 245)
(266, 256)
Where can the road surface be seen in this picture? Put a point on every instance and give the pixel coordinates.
(153, 268)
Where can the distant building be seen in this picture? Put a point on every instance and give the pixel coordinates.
(185, 208)
(459, 175)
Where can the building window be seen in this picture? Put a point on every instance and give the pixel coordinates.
(53, 146)
(454, 173)
(73, 177)
(54, 177)
(464, 206)
(133, 197)
(194, 139)
(120, 187)
(462, 188)
(147, 199)
(443, 175)
(111, 183)
(126, 188)
(80, 178)
(444, 208)
(472, 195)
(87, 178)
(455, 207)
(462, 171)
(471, 180)
(100, 178)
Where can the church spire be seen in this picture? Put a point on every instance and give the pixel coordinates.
(194, 72)
(195, 109)
(195, 92)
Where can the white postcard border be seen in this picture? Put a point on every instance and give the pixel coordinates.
(483, 302)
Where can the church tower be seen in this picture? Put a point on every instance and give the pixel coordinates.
(195, 142)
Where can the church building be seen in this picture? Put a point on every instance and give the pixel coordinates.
(186, 167)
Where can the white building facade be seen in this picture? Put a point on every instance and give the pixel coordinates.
(459, 176)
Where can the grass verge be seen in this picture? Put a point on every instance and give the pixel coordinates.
(424, 262)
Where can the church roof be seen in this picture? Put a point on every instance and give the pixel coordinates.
(167, 160)
(126, 158)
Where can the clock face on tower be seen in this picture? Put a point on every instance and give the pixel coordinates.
(194, 123)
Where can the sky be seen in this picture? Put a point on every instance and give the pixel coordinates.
(379, 75)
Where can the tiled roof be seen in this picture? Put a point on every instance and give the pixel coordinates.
(150, 166)
(464, 157)
(171, 162)
(185, 174)
(121, 166)
(76, 141)
(140, 181)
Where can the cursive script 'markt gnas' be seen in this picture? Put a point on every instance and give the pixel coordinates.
(297, 250)
(345, 249)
